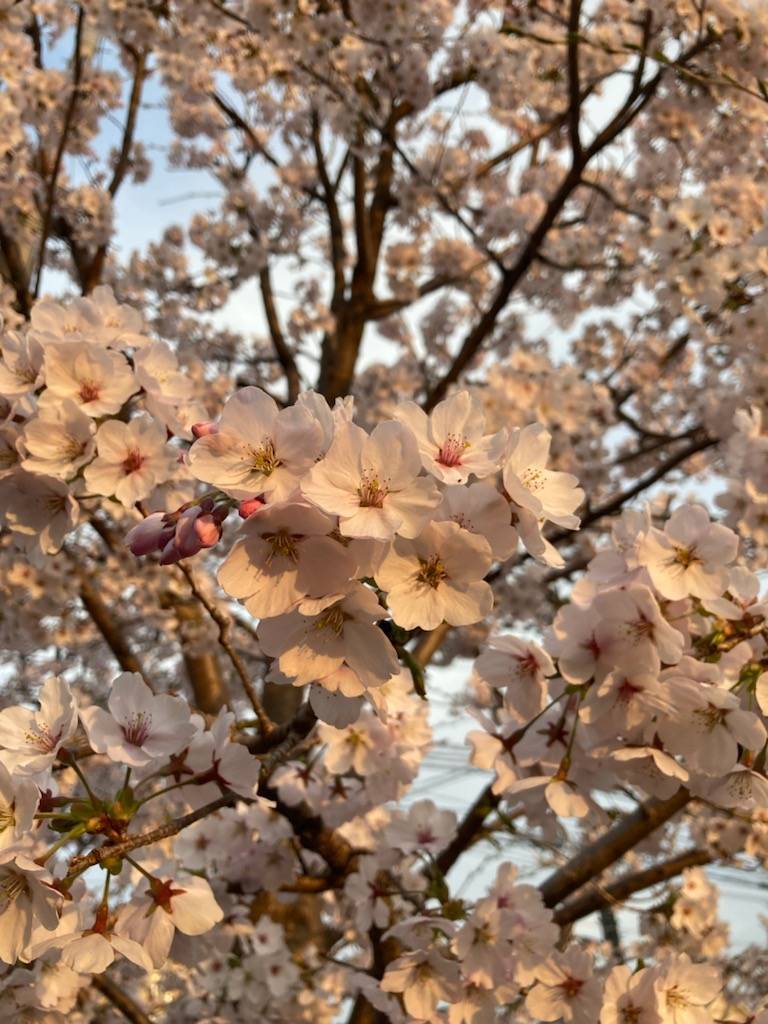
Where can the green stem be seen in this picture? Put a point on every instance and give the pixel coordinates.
(81, 775)
(73, 833)
(139, 868)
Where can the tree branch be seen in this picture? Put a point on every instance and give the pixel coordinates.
(611, 846)
(607, 896)
(69, 113)
(224, 623)
(154, 835)
(574, 88)
(119, 999)
(280, 345)
(109, 629)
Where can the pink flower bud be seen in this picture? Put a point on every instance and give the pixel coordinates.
(249, 506)
(170, 554)
(150, 535)
(186, 540)
(207, 530)
(205, 428)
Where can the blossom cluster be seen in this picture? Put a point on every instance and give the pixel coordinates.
(87, 404)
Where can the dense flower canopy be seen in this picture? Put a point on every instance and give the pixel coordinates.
(449, 389)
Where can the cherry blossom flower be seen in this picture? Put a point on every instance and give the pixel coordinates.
(132, 459)
(58, 441)
(423, 829)
(561, 794)
(367, 894)
(184, 902)
(110, 322)
(706, 725)
(438, 577)
(634, 614)
(90, 950)
(741, 787)
(21, 364)
(547, 494)
(283, 556)
(215, 756)
(157, 371)
(31, 740)
(587, 646)
(480, 509)
(520, 665)
(423, 978)
(451, 441)
(97, 380)
(26, 898)
(38, 508)
(690, 555)
(257, 448)
(310, 647)
(19, 799)
(357, 747)
(630, 997)
(52, 322)
(684, 989)
(139, 727)
(372, 482)
(623, 702)
(565, 989)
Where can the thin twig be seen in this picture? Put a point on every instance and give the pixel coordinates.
(224, 623)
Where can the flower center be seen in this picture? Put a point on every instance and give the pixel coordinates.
(532, 479)
(571, 986)
(137, 729)
(452, 450)
(710, 716)
(640, 628)
(133, 461)
(41, 738)
(89, 390)
(8, 457)
(627, 692)
(332, 619)
(372, 492)
(7, 818)
(72, 447)
(264, 458)
(676, 998)
(282, 544)
(686, 557)
(527, 665)
(432, 572)
(11, 887)
(631, 1014)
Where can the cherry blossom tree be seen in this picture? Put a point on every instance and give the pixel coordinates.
(448, 386)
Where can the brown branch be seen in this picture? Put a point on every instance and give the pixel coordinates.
(154, 835)
(574, 88)
(69, 114)
(639, 96)
(16, 272)
(119, 999)
(611, 846)
(338, 255)
(109, 629)
(469, 829)
(224, 623)
(615, 504)
(607, 896)
(134, 102)
(280, 345)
